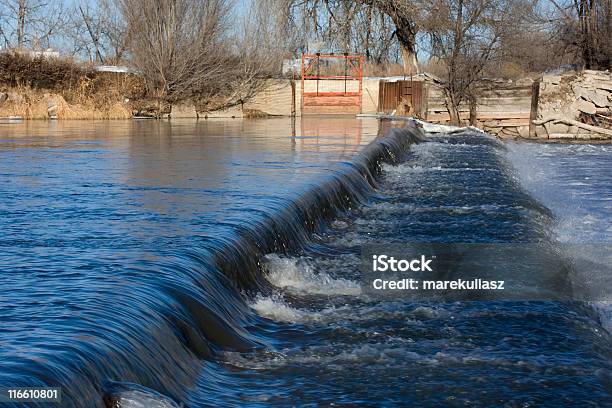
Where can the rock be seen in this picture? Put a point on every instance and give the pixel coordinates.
(585, 106)
(602, 98)
(523, 131)
(599, 98)
(524, 81)
(579, 89)
(557, 127)
(605, 86)
(552, 79)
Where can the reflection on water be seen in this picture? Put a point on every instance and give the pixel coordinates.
(103, 222)
(215, 262)
(160, 178)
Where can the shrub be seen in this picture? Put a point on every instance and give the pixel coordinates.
(19, 69)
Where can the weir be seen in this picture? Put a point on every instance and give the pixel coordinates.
(326, 343)
(187, 305)
(268, 310)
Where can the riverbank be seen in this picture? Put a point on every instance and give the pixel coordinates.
(32, 104)
(554, 108)
(429, 127)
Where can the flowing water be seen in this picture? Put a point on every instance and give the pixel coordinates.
(216, 264)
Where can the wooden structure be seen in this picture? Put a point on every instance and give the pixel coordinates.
(407, 95)
(331, 84)
(533, 114)
(499, 105)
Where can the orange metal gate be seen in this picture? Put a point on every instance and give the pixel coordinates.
(331, 84)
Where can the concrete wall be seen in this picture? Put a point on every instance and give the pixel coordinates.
(505, 104)
(278, 99)
(501, 107)
(369, 100)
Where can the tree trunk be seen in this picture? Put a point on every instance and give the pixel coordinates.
(473, 112)
(452, 105)
(405, 30)
(21, 17)
(455, 119)
(585, 21)
(409, 59)
(94, 38)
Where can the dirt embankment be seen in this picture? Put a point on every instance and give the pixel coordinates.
(40, 88)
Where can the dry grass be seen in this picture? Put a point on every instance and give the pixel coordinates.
(254, 114)
(43, 88)
(30, 103)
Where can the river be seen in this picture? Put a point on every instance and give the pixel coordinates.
(216, 263)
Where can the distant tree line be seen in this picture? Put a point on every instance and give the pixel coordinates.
(464, 41)
(198, 50)
(215, 53)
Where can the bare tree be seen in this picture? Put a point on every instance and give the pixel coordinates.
(252, 55)
(177, 45)
(29, 22)
(465, 36)
(185, 50)
(585, 27)
(97, 31)
(332, 19)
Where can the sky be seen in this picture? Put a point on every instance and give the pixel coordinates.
(241, 7)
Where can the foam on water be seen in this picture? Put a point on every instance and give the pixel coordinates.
(572, 180)
(330, 349)
(296, 275)
(274, 307)
(575, 182)
(334, 358)
(436, 128)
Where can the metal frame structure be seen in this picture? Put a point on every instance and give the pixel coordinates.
(324, 101)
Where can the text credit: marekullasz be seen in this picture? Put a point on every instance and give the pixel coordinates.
(454, 272)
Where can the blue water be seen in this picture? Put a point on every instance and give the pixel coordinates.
(336, 346)
(216, 263)
(575, 182)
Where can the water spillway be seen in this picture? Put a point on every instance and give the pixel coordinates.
(220, 271)
(132, 276)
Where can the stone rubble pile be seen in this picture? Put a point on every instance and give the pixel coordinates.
(571, 96)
